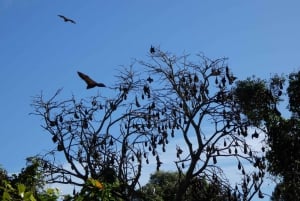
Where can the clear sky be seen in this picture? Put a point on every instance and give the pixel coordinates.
(39, 52)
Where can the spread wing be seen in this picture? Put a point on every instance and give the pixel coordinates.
(72, 21)
(87, 79)
(66, 19)
(63, 17)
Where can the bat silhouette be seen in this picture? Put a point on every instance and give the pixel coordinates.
(66, 19)
(255, 135)
(90, 83)
(149, 79)
(152, 50)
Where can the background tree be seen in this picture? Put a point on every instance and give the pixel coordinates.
(282, 134)
(284, 158)
(28, 185)
(284, 140)
(109, 138)
(163, 186)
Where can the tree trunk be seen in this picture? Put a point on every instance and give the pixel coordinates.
(184, 184)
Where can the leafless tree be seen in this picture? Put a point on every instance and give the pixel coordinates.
(110, 138)
(189, 97)
(96, 136)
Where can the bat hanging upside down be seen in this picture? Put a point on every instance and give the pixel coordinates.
(90, 83)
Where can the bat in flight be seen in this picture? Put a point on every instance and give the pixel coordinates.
(66, 19)
(90, 83)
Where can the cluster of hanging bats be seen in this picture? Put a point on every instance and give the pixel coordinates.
(91, 83)
(228, 76)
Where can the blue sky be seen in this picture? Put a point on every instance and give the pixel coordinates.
(39, 52)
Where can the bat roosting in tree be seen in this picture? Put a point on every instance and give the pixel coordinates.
(90, 83)
(152, 50)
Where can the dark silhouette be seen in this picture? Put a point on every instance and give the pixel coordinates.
(66, 19)
(255, 135)
(260, 194)
(149, 79)
(152, 50)
(137, 102)
(90, 83)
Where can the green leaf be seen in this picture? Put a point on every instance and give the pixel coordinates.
(8, 185)
(6, 196)
(31, 198)
(52, 191)
(21, 189)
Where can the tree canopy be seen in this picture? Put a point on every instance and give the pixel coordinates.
(163, 186)
(28, 185)
(282, 132)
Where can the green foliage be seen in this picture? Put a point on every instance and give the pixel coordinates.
(95, 190)
(26, 186)
(283, 139)
(258, 101)
(163, 186)
(284, 158)
(294, 93)
(254, 99)
(202, 190)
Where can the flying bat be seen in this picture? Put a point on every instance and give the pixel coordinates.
(90, 83)
(66, 19)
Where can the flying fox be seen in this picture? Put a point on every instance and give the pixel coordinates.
(66, 19)
(90, 83)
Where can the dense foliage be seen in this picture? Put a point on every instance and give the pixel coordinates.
(282, 132)
(163, 186)
(28, 185)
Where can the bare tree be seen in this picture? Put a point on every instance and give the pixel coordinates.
(96, 137)
(190, 96)
(172, 97)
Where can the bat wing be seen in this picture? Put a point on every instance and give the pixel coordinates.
(66, 19)
(87, 79)
(72, 21)
(63, 17)
(101, 84)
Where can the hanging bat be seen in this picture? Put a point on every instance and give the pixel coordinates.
(90, 83)
(149, 79)
(255, 135)
(66, 19)
(152, 50)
